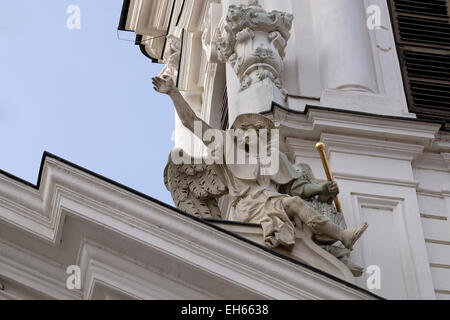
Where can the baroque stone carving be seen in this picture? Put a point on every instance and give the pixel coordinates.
(253, 41)
(172, 58)
(281, 200)
(328, 210)
(195, 188)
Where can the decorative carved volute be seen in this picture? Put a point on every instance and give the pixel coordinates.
(171, 58)
(253, 41)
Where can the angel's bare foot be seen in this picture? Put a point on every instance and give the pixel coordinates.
(352, 235)
(285, 236)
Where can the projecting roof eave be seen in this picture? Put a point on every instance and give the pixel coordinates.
(125, 25)
(357, 291)
(124, 16)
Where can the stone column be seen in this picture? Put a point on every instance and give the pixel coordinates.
(343, 45)
(252, 42)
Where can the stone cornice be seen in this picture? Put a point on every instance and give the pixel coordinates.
(34, 271)
(371, 147)
(109, 267)
(446, 157)
(431, 161)
(68, 191)
(315, 120)
(369, 179)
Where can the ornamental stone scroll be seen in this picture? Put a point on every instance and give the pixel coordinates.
(253, 41)
(172, 55)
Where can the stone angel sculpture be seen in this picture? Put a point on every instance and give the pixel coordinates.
(276, 199)
(195, 188)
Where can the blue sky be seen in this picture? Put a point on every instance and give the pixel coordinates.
(83, 95)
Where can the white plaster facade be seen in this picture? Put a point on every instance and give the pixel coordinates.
(344, 88)
(129, 246)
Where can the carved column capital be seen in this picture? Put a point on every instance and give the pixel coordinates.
(253, 41)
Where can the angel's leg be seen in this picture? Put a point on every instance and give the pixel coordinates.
(296, 207)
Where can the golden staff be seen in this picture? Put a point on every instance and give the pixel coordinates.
(320, 147)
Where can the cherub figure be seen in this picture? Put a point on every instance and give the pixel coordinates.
(275, 200)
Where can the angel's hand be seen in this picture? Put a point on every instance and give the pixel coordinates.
(163, 85)
(329, 191)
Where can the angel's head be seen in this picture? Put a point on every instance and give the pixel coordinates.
(249, 128)
(254, 121)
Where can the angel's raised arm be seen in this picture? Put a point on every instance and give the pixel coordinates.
(187, 115)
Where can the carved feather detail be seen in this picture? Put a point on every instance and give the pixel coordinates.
(195, 188)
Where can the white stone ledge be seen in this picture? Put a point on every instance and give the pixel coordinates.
(69, 191)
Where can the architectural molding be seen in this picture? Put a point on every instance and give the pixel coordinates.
(366, 208)
(303, 148)
(67, 191)
(369, 179)
(34, 271)
(366, 125)
(376, 147)
(371, 147)
(112, 269)
(446, 157)
(172, 58)
(253, 41)
(431, 161)
(382, 42)
(315, 120)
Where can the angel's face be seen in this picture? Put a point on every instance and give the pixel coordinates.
(247, 136)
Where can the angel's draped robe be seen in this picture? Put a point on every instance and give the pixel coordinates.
(256, 198)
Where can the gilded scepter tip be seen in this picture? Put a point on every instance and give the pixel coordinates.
(320, 146)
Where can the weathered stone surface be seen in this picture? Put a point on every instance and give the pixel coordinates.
(253, 41)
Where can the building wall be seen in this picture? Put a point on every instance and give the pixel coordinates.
(333, 57)
(393, 171)
(431, 171)
(130, 246)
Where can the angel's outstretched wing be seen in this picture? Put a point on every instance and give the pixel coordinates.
(195, 188)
